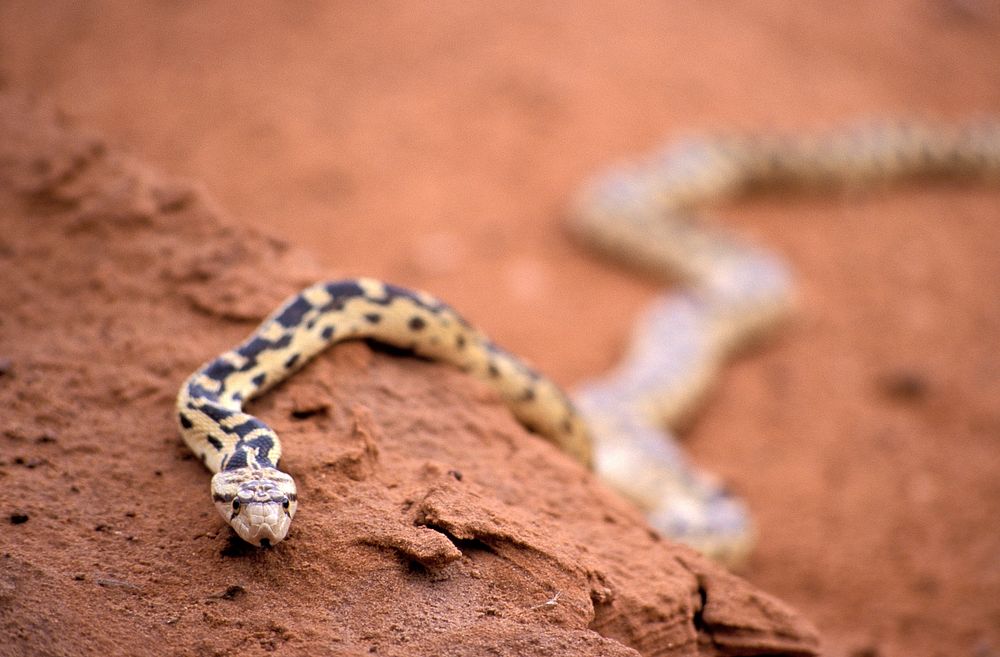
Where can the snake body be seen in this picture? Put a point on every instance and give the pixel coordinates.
(642, 214)
(259, 500)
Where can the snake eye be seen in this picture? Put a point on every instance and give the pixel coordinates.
(286, 504)
(236, 504)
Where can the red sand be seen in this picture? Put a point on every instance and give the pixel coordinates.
(436, 148)
(431, 522)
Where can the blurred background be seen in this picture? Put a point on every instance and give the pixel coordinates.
(437, 145)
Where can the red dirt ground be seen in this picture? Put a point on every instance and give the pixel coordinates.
(437, 147)
(431, 523)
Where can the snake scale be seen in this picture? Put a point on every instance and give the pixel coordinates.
(642, 214)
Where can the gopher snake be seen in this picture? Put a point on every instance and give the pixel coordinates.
(640, 214)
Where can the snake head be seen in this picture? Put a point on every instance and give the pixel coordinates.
(258, 503)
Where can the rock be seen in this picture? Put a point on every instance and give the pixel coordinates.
(391, 551)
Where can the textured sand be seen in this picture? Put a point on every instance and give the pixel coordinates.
(437, 148)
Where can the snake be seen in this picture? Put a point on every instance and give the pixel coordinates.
(643, 213)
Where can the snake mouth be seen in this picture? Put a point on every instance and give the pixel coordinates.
(262, 524)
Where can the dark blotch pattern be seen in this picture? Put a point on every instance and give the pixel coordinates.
(294, 312)
(417, 323)
(344, 290)
(217, 413)
(253, 348)
(246, 428)
(262, 445)
(219, 370)
(238, 459)
(198, 391)
(394, 292)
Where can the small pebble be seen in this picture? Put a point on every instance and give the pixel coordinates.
(232, 592)
(110, 583)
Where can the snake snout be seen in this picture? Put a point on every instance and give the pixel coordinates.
(264, 514)
(263, 523)
(258, 503)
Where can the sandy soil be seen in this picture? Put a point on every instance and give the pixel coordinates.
(431, 523)
(437, 148)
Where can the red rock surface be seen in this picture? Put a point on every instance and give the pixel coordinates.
(431, 522)
(436, 147)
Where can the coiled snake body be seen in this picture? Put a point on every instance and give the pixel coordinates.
(640, 214)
